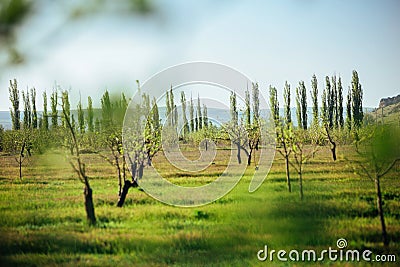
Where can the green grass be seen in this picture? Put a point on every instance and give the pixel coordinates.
(42, 218)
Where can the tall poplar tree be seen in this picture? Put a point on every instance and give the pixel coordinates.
(314, 96)
(330, 102)
(90, 115)
(199, 115)
(54, 112)
(81, 117)
(45, 120)
(349, 119)
(191, 114)
(356, 98)
(287, 111)
(27, 109)
(14, 98)
(185, 121)
(34, 111)
(340, 103)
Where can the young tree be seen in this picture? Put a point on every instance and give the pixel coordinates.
(141, 151)
(90, 115)
(34, 111)
(302, 153)
(27, 110)
(54, 112)
(185, 121)
(287, 111)
(14, 98)
(45, 119)
(81, 118)
(314, 96)
(77, 163)
(379, 150)
(18, 144)
(284, 142)
(356, 97)
(324, 107)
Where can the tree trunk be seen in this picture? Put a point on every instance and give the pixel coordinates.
(380, 211)
(119, 175)
(333, 150)
(20, 168)
(206, 144)
(249, 158)
(128, 184)
(89, 207)
(288, 174)
(239, 158)
(301, 185)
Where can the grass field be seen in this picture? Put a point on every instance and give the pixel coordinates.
(42, 217)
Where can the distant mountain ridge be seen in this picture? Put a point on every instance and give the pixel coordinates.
(384, 102)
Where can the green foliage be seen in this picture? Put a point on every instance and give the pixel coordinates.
(191, 115)
(14, 98)
(81, 118)
(106, 111)
(205, 116)
(356, 98)
(286, 98)
(335, 102)
(67, 106)
(27, 110)
(314, 96)
(198, 114)
(233, 109)
(34, 112)
(186, 129)
(340, 103)
(301, 105)
(348, 111)
(247, 109)
(45, 119)
(12, 12)
(90, 115)
(256, 102)
(379, 147)
(54, 112)
(273, 101)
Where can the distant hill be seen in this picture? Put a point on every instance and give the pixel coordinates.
(384, 102)
(388, 110)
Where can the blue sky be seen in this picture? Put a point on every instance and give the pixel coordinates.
(270, 41)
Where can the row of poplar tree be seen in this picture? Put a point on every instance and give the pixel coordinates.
(332, 109)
